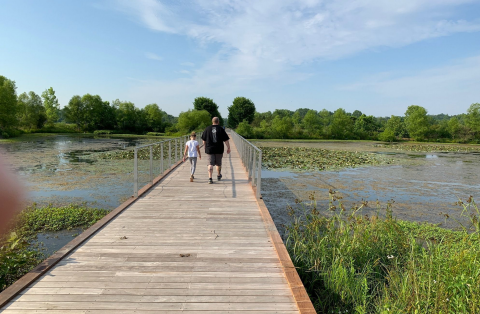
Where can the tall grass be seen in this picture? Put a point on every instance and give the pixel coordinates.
(354, 263)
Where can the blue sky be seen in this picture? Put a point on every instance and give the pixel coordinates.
(375, 56)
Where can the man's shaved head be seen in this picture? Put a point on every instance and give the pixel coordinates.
(215, 120)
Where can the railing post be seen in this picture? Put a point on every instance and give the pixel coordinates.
(161, 157)
(259, 179)
(151, 164)
(135, 173)
(169, 153)
(250, 163)
(254, 164)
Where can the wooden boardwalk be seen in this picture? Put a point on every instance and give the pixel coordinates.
(181, 247)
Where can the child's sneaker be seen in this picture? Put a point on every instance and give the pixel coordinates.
(210, 181)
(219, 177)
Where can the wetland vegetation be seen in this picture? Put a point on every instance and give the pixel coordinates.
(309, 158)
(20, 251)
(352, 262)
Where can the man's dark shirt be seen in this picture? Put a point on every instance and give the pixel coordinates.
(214, 136)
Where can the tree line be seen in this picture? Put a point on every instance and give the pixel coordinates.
(32, 112)
(29, 111)
(307, 123)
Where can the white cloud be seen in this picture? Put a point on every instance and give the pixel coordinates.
(292, 32)
(447, 89)
(153, 56)
(266, 40)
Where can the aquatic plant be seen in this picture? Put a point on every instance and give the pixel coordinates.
(143, 153)
(50, 218)
(431, 148)
(308, 158)
(355, 263)
(18, 257)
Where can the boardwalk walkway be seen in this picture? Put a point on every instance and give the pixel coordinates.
(181, 247)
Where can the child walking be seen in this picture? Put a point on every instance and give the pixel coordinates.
(193, 150)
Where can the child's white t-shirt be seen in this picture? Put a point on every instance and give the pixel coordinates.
(192, 148)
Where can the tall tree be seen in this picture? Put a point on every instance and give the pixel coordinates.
(397, 125)
(154, 117)
(416, 122)
(204, 103)
(74, 112)
(52, 107)
(8, 103)
(31, 112)
(453, 127)
(311, 123)
(473, 119)
(241, 109)
(342, 126)
(126, 115)
(193, 120)
(99, 115)
(357, 114)
(282, 127)
(365, 127)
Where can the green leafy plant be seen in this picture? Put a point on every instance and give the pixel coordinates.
(355, 263)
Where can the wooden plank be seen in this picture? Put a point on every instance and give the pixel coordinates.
(134, 263)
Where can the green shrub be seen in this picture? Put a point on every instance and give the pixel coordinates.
(15, 259)
(359, 264)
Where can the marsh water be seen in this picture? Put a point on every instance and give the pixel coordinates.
(64, 169)
(422, 187)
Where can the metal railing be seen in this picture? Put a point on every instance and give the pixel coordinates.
(151, 160)
(252, 159)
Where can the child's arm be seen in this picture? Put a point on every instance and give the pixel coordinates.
(185, 152)
(198, 150)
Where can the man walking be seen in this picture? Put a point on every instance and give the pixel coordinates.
(213, 138)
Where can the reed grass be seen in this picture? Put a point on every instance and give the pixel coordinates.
(354, 263)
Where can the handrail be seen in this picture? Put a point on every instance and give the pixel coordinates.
(251, 157)
(178, 143)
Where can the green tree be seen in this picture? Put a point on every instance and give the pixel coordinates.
(416, 122)
(154, 117)
(204, 103)
(282, 127)
(74, 111)
(31, 112)
(311, 123)
(342, 126)
(365, 127)
(397, 125)
(193, 120)
(8, 103)
(241, 109)
(453, 127)
(52, 107)
(245, 129)
(472, 120)
(387, 136)
(282, 113)
(357, 114)
(126, 115)
(325, 122)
